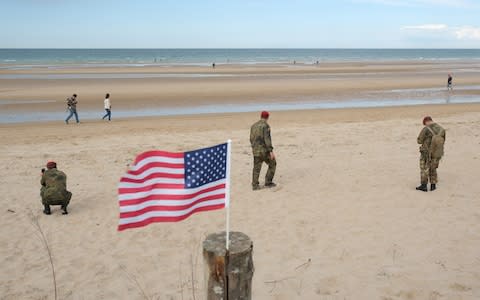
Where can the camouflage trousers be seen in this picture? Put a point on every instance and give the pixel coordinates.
(257, 167)
(54, 198)
(428, 169)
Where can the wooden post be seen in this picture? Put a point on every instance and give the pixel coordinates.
(229, 275)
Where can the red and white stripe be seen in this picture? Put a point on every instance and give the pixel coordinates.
(153, 190)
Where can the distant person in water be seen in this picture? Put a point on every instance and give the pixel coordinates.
(72, 108)
(108, 107)
(213, 65)
(450, 82)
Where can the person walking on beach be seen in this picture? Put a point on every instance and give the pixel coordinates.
(261, 142)
(108, 107)
(72, 108)
(432, 139)
(54, 188)
(450, 82)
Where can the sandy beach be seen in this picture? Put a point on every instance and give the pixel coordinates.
(147, 107)
(345, 221)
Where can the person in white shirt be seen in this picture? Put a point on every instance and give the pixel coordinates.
(108, 107)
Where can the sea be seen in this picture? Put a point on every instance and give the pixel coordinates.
(30, 58)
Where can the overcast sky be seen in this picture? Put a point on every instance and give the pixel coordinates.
(240, 24)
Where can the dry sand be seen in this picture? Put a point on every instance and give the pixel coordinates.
(345, 202)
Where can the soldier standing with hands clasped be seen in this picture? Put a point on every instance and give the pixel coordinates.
(261, 141)
(431, 139)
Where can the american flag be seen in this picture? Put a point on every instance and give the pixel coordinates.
(169, 187)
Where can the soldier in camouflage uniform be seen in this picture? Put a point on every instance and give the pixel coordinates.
(428, 164)
(54, 189)
(262, 148)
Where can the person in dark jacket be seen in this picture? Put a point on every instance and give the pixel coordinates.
(72, 108)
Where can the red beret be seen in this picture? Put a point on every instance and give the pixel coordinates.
(265, 114)
(426, 119)
(51, 165)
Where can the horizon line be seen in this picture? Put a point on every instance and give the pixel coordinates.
(223, 48)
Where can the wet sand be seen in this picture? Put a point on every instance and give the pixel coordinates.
(187, 86)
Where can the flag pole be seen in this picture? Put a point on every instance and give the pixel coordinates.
(227, 195)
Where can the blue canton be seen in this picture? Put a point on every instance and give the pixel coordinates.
(205, 166)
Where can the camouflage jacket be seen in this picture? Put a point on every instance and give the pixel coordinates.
(260, 138)
(55, 184)
(72, 103)
(425, 136)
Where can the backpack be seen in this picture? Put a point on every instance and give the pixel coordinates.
(437, 145)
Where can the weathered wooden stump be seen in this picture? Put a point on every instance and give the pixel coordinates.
(229, 275)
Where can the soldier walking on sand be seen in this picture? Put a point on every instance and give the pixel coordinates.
(431, 139)
(54, 188)
(262, 148)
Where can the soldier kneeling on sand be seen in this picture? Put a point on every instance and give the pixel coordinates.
(54, 188)
(432, 140)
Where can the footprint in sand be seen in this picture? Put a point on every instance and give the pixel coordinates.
(460, 287)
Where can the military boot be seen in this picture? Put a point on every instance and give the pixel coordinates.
(255, 187)
(433, 187)
(270, 185)
(64, 208)
(46, 209)
(422, 187)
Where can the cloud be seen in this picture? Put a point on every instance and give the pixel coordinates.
(467, 33)
(432, 27)
(454, 3)
(461, 33)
